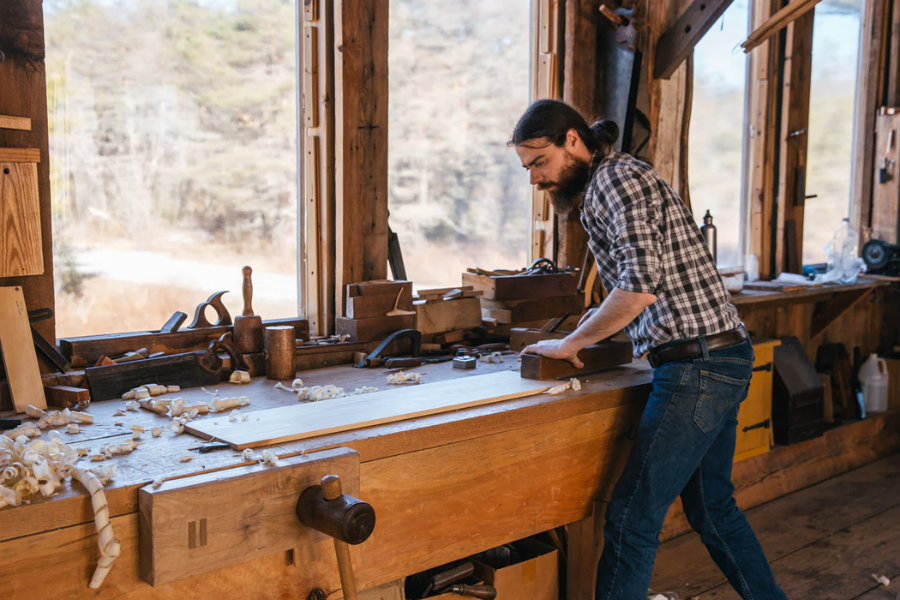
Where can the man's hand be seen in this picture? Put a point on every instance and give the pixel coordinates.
(556, 349)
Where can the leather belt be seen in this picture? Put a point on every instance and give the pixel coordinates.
(681, 349)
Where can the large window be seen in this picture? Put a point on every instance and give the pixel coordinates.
(173, 157)
(459, 81)
(835, 53)
(716, 142)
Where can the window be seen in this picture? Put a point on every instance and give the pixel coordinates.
(835, 54)
(459, 81)
(173, 156)
(716, 141)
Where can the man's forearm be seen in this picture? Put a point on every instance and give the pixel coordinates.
(619, 309)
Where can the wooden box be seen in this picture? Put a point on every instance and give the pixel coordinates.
(754, 431)
(797, 398)
(535, 577)
(523, 287)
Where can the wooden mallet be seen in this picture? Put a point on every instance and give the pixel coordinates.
(348, 520)
(248, 329)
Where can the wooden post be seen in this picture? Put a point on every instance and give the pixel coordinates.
(23, 93)
(361, 138)
(793, 140)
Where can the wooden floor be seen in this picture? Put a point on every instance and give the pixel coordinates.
(824, 542)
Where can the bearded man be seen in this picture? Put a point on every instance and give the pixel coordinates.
(666, 293)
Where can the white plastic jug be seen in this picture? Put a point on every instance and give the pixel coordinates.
(873, 375)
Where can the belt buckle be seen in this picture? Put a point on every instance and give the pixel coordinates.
(654, 361)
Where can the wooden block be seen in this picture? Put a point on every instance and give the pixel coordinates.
(85, 351)
(451, 337)
(448, 315)
(366, 330)
(439, 292)
(112, 381)
(21, 252)
(523, 311)
(64, 396)
(523, 287)
(304, 421)
(326, 355)
(20, 155)
(20, 123)
(496, 315)
(17, 347)
(595, 357)
(520, 337)
(376, 300)
(215, 520)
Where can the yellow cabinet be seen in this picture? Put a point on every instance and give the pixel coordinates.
(754, 430)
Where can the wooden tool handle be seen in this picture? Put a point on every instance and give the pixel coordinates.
(247, 290)
(345, 569)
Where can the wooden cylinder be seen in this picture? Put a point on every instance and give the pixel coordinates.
(280, 352)
(345, 570)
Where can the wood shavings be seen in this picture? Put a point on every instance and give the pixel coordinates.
(269, 458)
(881, 579)
(34, 412)
(178, 408)
(157, 483)
(171, 389)
(73, 428)
(110, 547)
(572, 384)
(215, 393)
(98, 457)
(158, 406)
(78, 417)
(281, 386)
(297, 384)
(156, 431)
(235, 415)
(185, 458)
(119, 413)
(149, 389)
(318, 392)
(220, 404)
(132, 406)
(83, 452)
(118, 448)
(366, 389)
(239, 377)
(249, 454)
(136, 431)
(401, 378)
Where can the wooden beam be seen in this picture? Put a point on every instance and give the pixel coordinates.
(869, 96)
(23, 79)
(834, 309)
(893, 87)
(777, 22)
(678, 42)
(793, 141)
(20, 123)
(361, 138)
(760, 155)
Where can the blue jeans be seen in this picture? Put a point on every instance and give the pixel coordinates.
(685, 445)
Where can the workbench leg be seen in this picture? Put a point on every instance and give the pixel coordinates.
(585, 541)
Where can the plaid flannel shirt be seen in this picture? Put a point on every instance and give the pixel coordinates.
(644, 239)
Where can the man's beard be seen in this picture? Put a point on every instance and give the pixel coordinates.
(570, 184)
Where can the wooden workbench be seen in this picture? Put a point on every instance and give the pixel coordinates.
(443, 487)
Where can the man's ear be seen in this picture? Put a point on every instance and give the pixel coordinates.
(571, 139)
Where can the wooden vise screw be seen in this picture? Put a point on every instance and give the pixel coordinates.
(348, 520)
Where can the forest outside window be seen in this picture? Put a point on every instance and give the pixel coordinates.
(459, 80)
(173, 153)
(830, 159)
(716, 141)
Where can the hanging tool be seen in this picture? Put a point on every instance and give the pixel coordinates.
(215, 300)
(248, 329)
(348, 520)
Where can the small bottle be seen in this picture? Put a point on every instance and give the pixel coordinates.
(709, 233)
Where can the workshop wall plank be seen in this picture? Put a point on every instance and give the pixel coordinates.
(23, 70)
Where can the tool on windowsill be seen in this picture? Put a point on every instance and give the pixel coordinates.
(248, 329)
(191, 369)
(215, 301)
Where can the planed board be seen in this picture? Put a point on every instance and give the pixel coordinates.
(313, 419)
(17, 348)
(21, 252)
(215, 520)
